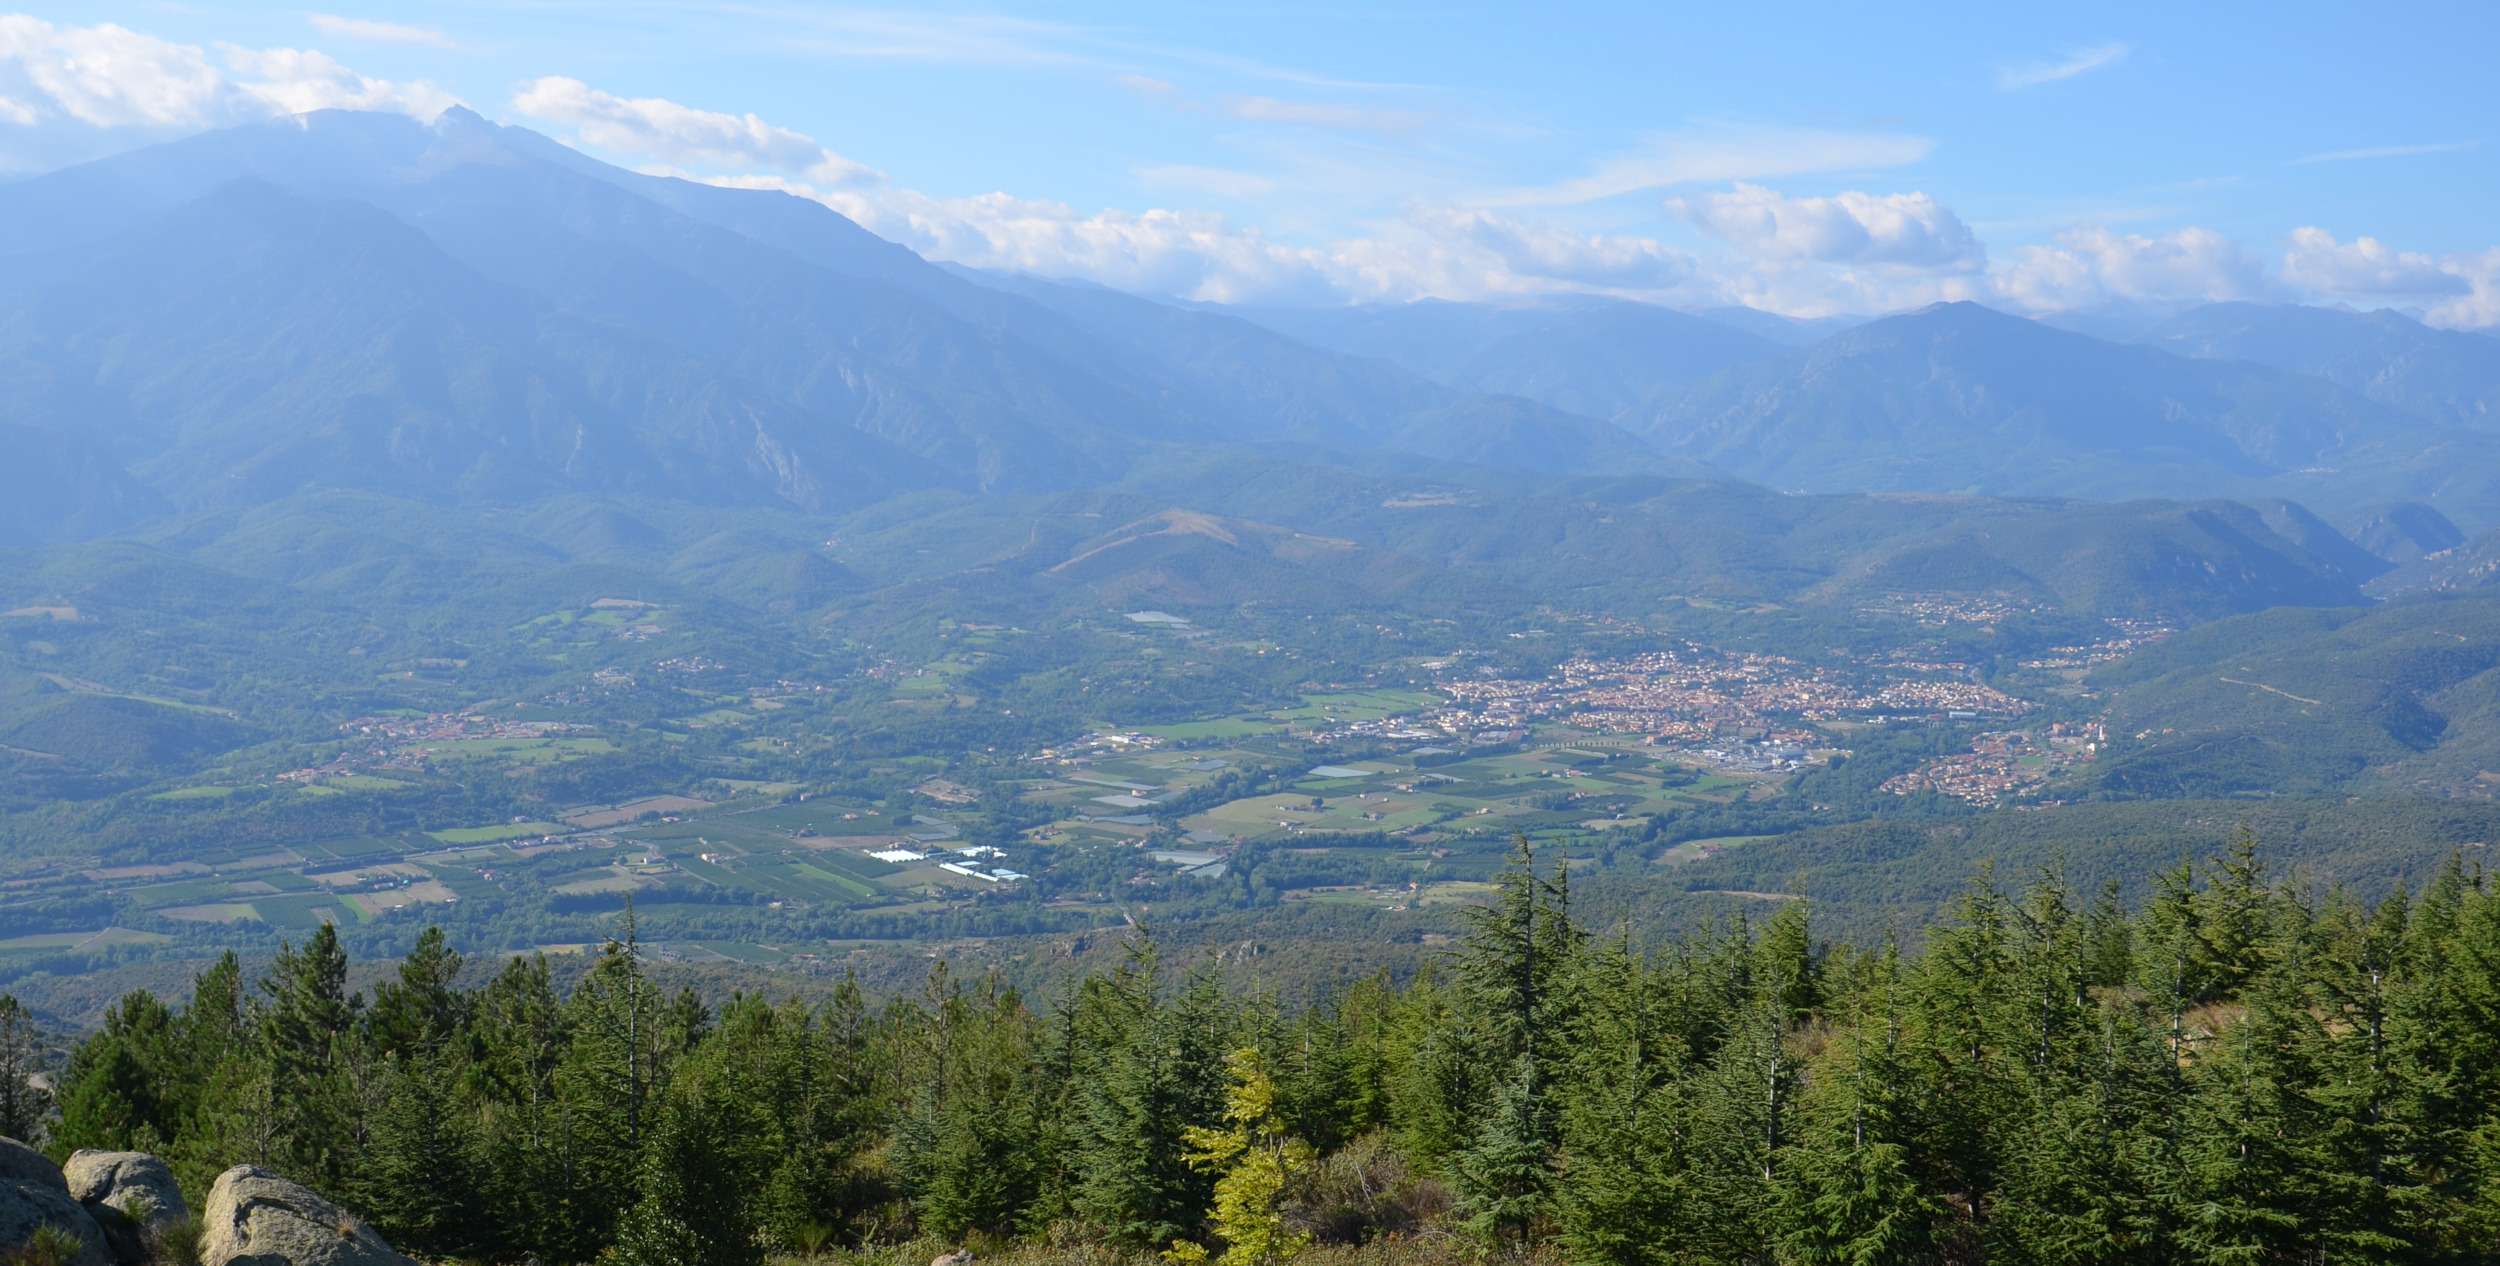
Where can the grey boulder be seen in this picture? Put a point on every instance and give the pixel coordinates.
(131, 1196)
(138, 1185)
(34, 1196)
(256, 1218)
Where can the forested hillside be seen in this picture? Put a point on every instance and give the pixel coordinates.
(2237, 1072)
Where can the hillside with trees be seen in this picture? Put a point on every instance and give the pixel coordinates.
(2239, 1071)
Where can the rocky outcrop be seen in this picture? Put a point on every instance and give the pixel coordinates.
(255, 1218)
(131, 1196)
(139, 1185)
(33, 1195)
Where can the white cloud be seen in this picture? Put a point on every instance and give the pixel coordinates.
(1815, 290)
(373, 32)
(1908, 229)
(2082, 61)
(297, 81)
(1186, 254)
(1721, 155)
(2386, 151)
(108, 76)
(1446, 253)
(2364, 266)
(2479, 307)
(657, 128)
(70, 93)
(2095, 265)
(1536, 254)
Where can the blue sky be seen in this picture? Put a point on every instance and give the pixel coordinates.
(1806, 159)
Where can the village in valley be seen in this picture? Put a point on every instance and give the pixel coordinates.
(1407, 780)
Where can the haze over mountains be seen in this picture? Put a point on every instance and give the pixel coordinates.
(465, 314)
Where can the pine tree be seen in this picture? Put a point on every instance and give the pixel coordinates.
(421, 1010)
(2172, 962)
(1151, 1070)
(1849, 1194)
(1255, 1162)
(2092, 1166)
(1511, 968)
(2108, 940)
(418, 1176)
(607, 1081)
(540, 1201)
(693, 1203)
(2251, 1134)
(1506, 1173)
(23, 1103)
(115, 1095)
(1624, 1195)
(1743, 1119)
(303, 1031)
(1966, 1006)
(969, 1144)
(2233, 915)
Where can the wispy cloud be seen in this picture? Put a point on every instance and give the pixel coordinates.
(1327, 114)
(1221, 182)
(1723, 155)
(2082, 61)
(2386, 151)
(372, 32)
(973, 39)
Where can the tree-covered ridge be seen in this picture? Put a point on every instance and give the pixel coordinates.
(2239, 1072)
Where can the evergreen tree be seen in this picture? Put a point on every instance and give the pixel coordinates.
(1850, 1194)
(609, 1076)
(1152, 1070)
(1255, 1162)
(303, 1032)
(23, 1103)
(1506, 1173)
(2251, 1135)
(421, 1011)
(418, 1176)
(693, 1202)
(117, 1092)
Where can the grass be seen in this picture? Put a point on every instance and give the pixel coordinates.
(47, 942)
(180, 892)
(196, 793)
(495, 834)
(1219, 729)
(362, 782)
(213, 912)
(532, 751)
(300, 912)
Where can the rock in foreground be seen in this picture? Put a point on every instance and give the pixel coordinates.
(255, 1218)
(139, 1185)
(33, 1195)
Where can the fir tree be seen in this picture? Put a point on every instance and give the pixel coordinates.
(24, 1104)
(1255, 1162)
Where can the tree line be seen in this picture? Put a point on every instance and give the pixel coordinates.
(2240, 1072)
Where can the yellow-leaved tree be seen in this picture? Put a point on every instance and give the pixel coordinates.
(1255, 1162)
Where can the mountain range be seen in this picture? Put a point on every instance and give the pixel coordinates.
(457, 313)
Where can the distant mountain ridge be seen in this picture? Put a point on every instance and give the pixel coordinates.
(459, 310)
(1960, 397)
(2441, 376)
(1604, 358)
